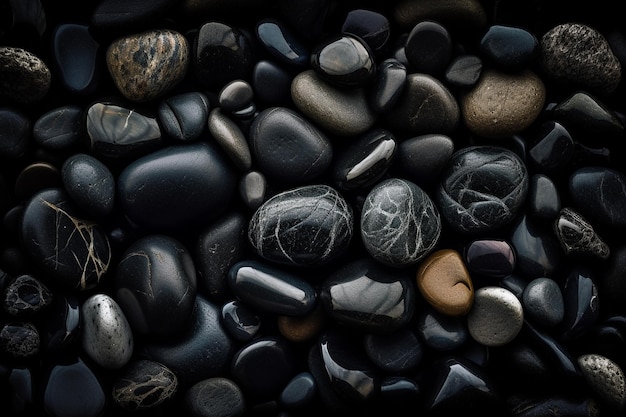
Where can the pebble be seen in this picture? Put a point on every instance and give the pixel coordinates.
(19, 340)
(230, 138)
(90, 184)
(502, 104)
(215, 397)
(344, 61)
(439, 331)
(303, 226)
(76, 55)
(445, 282)
(400, 224)
(144, 385)
(496, 316)
(542, 300)
(605, 378)
(240, 321)
(423, 158)
(428, 48)
(184, 116)
(107, 337)
(59, 128)
(509, 48)
(25, 296)
(299, 392)
(389, 85)
(577, 236)
(26, 78)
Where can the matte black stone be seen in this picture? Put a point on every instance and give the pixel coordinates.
(239, 321)
(310, 225)
(144, 385)
(59, 128)
(344, 61)
(428, 48)
(400, 224)
(371, 26)
(35, 178)
(583, 112)
(203, 350)
(288, 148)
(263, 367)
(155, 286)
(544, 201)
(582, 304)
(364, 161)
(219, 246)
(19, 340)
(221, 53)
(83, 259)
(397, 352)
(423, 158)
(267, 288)
(25, 296)
(271, 83)
(175, 187)
(543, 302)
(184, 116)
(509, 48)
(64, 380)
(464, 70)
(282, 44)
(89, 183)
(215, 396)
(389, 85)
(15, 133)
(369, 296)
(77, 58)
(483, 188)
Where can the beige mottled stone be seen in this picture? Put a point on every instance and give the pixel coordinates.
(503, 104)
(147, 65)
(445, 283)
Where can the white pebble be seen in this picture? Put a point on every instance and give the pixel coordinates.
(496, 316)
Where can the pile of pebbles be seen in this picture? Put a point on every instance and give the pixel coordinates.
(294, 208)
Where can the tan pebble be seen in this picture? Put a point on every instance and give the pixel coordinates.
(445, 283)
(302, 328)
(502, 104)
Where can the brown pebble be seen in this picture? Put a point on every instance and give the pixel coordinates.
(503, 104)
(147, 65)
(302, 328)
(445, 282)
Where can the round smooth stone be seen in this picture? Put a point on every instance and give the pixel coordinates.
(299, 392)
(155, 285)
(61, 384)
(184, 116)
(367, 295)
(490, 257)
(230, 138)
(281, 43)
(400, 224)
(240, 322)
(24, 77)
(445, 283)
(89, 183)
(220, 54)
(363, 162)
(174, 188)
(51, 217)
(253, 188)
(496, 317)
(106, 334)
(344, 61)
(59, 128)
(605, 378)
(219, 246)
(483, 188)
(397, 352)
(598, 194)
(271, 83)
(26, 296)
(428, 48)
(503, 104)
(76, 56)
(203, 349)
(544, 201)
(304, 226)
(343, 112)
(236, 95)
(542, 300)
(425, 106)
(287, 148)
(263, 367)
(464, 71)
(270, 289)
(143, 385)
(149, 64)
(215, 397)
(440, 332)
(423, 158)
(509, 48)
(577, 55)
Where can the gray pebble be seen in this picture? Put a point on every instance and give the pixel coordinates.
(89, 183)
(543, 301)
(230, 138)
(605, 378)
(496, 317)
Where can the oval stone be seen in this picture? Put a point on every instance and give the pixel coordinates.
(483, 188)
(345, 61)
(73, 251)
(76, 55)
(445, 283)
(106, 334)
(89, 183)
(542, 300)
(287, 147)
(155, 285)
(400, 224)
(184, 116)
(143, 385)
(305, 226)
(175, 187)
(496, 317)
(502, 104)
(367, 295)
(149, 64)
(24, 77)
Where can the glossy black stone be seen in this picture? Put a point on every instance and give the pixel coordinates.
(490, 257)
(184, 116)
(235, 96)
(509, 48)
(345, 61)
(281, 43)
(77, 58)
(155, 286)
(268, 288)
(239, 321)
(364, 161)
(544, 200)
(51, 217)
(371, 26)
(61, 328)
(389, 83)
(303, 226)
(582, 304)
(553, 150)
(299, 392)
(388, 305)
(471, 202)
(588, 114)
(440, 332)
(397, 352)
